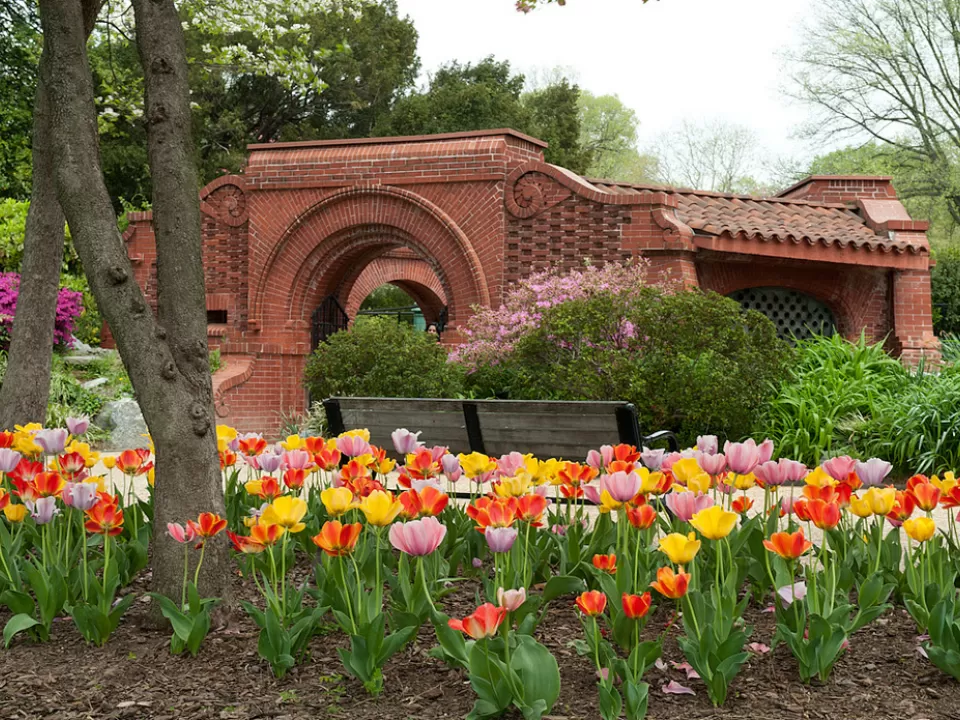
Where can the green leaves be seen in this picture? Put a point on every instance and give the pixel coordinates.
(190, 625)
(943, 648)
(18, 623)
(370, 650)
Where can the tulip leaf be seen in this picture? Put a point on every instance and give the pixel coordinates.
(538, 671)
(18, 623)
(562, 585)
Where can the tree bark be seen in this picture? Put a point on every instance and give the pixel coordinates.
(166, 356)
(26, 386)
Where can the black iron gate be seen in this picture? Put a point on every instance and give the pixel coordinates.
(327, 319)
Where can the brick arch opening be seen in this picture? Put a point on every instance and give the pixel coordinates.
(408, 272)
(328, 247)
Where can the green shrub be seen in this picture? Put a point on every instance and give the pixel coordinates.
(832, 385)
(379, 357)
(690, 361)
(945, 290)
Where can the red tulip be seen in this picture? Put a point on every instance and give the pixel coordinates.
(47, 484)
(294, 478)
(741, 505)
(530, 508)
(592, 603)
(336, 539)
(482, 623)
(825, 515)
(104, 519)
(208, 525)
(925, 494)
(789, 546)
(432, 500)
(605, 563)
(671, 585)
(642, 517)
(636, 606)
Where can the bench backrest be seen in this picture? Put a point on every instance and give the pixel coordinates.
(559, 429)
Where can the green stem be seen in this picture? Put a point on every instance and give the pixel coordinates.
(273, 578)
(346, 594)
(596, 648)
(693, 617)
(378, 588)
(196, 574)
(879, 530)
(105, 601)
(526, 554)
(283, 578)
(186, 574)
(83, 541)
(423, 578)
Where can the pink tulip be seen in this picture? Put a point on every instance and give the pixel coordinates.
(707, 444)
(873, 472)
(451, 467)
(652, 459)
(180, 533)
(766, 450)
(352, 446)
(78, 425)
(52, 441)
(592, 493)
(687, 504)
(511, 599)
(500, 539)
(711, 464)
(789, 593)
(783, 471)
(622, 486)
(9, 459)
(600, 460)
(296, 460)
(786, 504)
(669, 459)
(418, 537)
(743, 457)
(269, 462)
(405, 441)
(510, 465)
(839, 468)
(419, 485)
(81, 496)
(438, 452)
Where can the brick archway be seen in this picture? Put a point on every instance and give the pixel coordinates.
(344, 232)
(408, 272)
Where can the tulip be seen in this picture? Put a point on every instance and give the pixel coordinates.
(860, 507)
(287, 512)
(43, 509)
(337, 501)
(605, 563)
(920, 529)
(681, 549)
(787, 505)
(600, 460)
(714, 523)
(419, 537)
(708, 444)
(180, 533)
(766, 450)
(134, 462)
(652, 459)
(926, 495)
(296, 460)
(774, 474)
(881, 501)
(839, 468)
(511, 600)
(81, 496)
(789, 546)
(207, 525)
(873, 472)
(9, 459)
(450, 464)
(501, 539)
(353, 445)
(336, 539)
(104, 518)
(636, 606)
(686, 469)
(642, 517)
(795, 591)
(825, 515)
(951, 497)
(530, 508)
(493, 512)
(592, 603)
(15, 513)
(78, 425)
(711, 464)
(687, 504)
(294, 478)
(482, 623)
(380, 508)
(51, 441)
(671, 585)
(405, 442)
(622, 486)
(476, 465)
(743, 457)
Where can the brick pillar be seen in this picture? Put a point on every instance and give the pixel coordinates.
(913, 318)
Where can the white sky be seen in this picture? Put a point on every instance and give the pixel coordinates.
(669, 60)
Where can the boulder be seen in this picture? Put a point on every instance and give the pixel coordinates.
(124, 421)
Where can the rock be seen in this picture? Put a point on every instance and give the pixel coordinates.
(80, 359)
(95, 383)
(81, 348)
(124, 421)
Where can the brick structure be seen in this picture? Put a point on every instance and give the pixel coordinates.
(456, 219)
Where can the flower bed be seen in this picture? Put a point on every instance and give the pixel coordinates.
(633, 581)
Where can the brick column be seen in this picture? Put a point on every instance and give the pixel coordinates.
(912, 317)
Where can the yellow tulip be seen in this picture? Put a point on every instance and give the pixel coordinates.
(920, 529)
(860, 507)
(226, 432)
(363, 434)
(109, 461)
(100, 480)
(699, 483)
(380, 508)
(253, 487)
(516, 486)
(549, 472)
(946, 484)
(714, 523)
(681, 549)
(293, 442)
(476, 464)
(287, 512)
(744, 482)
(337, 500)
(15, 513)
(385, 466)
(818, 477)
(607, 503)
(881, 500)
(685, 469)
(23, 441)
(650, 481)
(151, 477)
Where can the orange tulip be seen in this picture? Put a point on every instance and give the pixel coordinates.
(493, 512)
(642, 517)
(951, 499)
(252, 446)
(268, 489)
(626, 453)
(482, 622)
(573, 475)
(421, 464)
(801, 509)
(903, 508)
(741, 505)
(228, 458)
(636, 606)
(825, 515)
(47, 484)
(6, 439)
(789, 546)
(104, 519)
(530, 508)
(314, 445)
(671, 585)
(4, 498)
(327, 459)
(134, 462)
(207, 525)
(925, 494)
(433, 501)
(412, 506)
(605, 563)
(294, 478)
(592, 603)
(336, 539)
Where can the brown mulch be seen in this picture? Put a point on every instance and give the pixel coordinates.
(881, 677)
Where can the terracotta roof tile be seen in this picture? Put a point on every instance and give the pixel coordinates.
(771, 219)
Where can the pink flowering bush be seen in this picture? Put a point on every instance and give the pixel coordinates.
(69, 307)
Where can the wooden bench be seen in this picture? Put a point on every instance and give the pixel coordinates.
(547, 429)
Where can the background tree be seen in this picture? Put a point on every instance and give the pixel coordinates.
(555, 118)
(19, 54)
(709, 156)
(608, 132)
(889, 70)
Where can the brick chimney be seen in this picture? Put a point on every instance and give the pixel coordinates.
(841, 189)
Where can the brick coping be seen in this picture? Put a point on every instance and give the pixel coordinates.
(398, 139)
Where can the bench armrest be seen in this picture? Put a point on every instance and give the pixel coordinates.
(662, 436)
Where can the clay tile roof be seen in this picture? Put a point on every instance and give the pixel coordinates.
(773, 219)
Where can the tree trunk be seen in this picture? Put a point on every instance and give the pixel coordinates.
(166, 358)
(26, 385)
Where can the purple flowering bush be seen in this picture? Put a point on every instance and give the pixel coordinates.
(69, 308)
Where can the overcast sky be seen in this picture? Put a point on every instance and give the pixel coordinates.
(669, 60)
